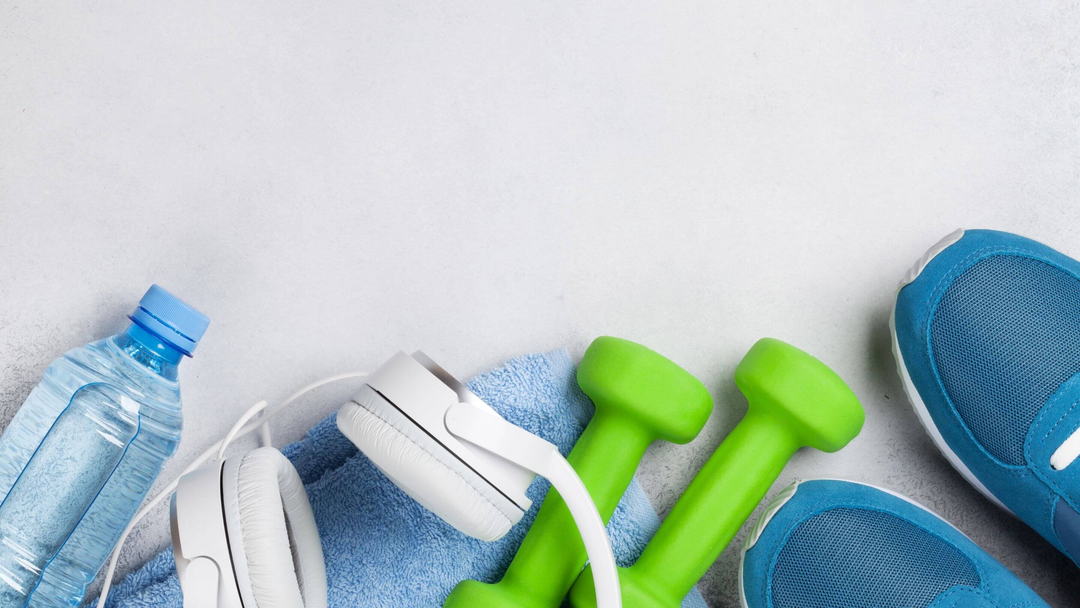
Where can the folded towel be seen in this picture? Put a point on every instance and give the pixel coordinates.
(384, 549)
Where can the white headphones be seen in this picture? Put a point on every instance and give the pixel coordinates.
(244, 536)
(243, 532)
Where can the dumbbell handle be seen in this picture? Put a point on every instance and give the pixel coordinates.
(552, 554)
(491, 432)
(718, 501)
(706, 517)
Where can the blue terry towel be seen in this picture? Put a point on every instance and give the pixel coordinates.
(382, 548)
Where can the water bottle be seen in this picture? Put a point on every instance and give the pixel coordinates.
(82, 452)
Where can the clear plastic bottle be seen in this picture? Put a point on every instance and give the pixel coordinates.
(63, 434)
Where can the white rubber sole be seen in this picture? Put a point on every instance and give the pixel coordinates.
(782, 499)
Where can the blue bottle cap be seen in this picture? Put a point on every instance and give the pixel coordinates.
(171, 319)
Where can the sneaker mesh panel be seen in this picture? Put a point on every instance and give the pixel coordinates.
(861, 558)
(1004, 337)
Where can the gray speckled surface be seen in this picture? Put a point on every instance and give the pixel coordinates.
(333, 181)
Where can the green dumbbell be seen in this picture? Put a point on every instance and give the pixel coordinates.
(640, 396)
(795, 401)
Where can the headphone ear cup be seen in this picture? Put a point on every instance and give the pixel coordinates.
(442, 485)
(281, 541)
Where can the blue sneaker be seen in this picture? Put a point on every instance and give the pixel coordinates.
(986, 334)
(838, 544)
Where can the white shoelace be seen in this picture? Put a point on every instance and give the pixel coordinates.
(1067, 453)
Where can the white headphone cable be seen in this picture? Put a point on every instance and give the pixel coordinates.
(239, 424)
(242, 428)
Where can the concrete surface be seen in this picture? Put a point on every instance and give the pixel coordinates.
(333, 181)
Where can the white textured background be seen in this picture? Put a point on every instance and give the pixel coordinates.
(331, 181)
